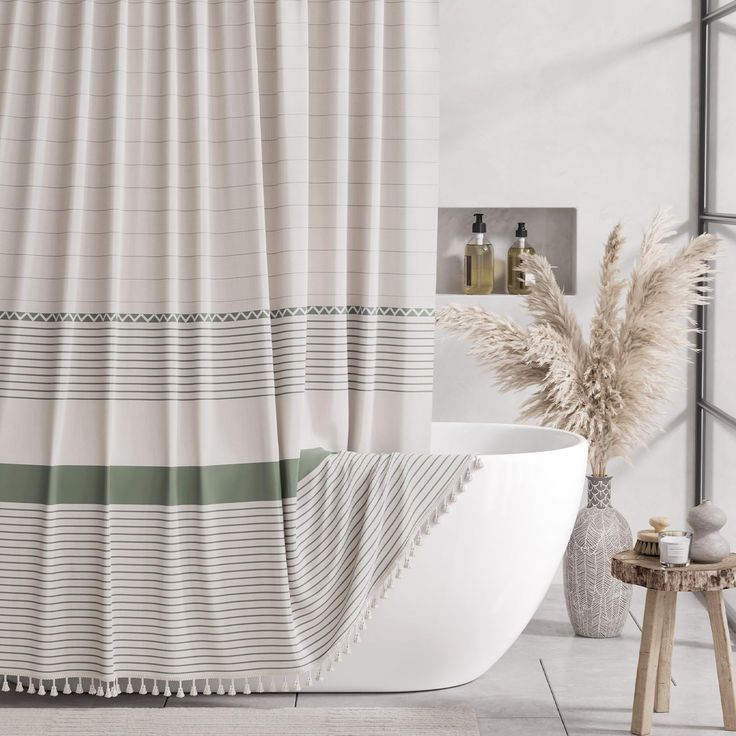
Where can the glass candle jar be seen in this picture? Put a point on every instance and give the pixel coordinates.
(674, 548)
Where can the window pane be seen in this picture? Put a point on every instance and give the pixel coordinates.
(720, 478)
(715, 4)
(721, 325)
(722, 151)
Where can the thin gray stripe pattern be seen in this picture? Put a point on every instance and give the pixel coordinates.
(163, 127)
(252, 355)
(254, 592)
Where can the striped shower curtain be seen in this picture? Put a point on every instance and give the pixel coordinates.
(217, 237)
(218, 227)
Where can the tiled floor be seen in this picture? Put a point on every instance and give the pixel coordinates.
(549, 683)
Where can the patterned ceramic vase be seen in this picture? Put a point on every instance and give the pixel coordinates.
(597, 603)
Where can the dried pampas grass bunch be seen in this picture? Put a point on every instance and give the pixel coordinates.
(611, 388)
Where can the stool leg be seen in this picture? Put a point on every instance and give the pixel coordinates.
(646, 671)
(664, 668)
(724, 664)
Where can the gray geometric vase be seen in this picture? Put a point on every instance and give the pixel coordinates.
(597, 603)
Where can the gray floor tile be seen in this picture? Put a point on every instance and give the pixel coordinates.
(513, 688)
(24, 700)
(593, 680)
(520, 727)
(254, 700)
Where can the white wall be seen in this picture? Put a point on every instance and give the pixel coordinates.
(573, 104)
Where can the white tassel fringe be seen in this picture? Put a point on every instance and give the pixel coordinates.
(381, 590)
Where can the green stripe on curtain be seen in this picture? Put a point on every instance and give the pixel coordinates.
(160, 486)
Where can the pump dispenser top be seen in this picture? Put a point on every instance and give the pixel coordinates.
(478, 261)
(517, 280)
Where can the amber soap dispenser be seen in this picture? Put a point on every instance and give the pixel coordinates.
(517, 281)
(478, 264)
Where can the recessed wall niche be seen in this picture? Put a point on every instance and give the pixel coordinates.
(552, 232)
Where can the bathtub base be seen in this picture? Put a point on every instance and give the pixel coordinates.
(451, 616)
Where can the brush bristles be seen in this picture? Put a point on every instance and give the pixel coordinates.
(651, 549)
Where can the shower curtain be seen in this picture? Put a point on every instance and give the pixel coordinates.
(217, 226)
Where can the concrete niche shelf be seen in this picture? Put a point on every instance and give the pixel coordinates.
(552, 232)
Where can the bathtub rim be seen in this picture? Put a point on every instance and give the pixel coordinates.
(575, 440)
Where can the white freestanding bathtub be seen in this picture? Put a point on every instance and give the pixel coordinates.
(482, 572)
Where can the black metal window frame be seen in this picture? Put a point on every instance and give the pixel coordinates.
(706, 217)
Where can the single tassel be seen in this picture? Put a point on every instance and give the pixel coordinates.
(397, 574)
(320, 676)
(272, 688)
(331, 666)
(100, 691)
(348, 650)
(5, 686)
(31, 687)
(18, 685)
(92, 689)
(116, 689)
(79, 689)
(193, 689)
(356, 638)
(207, 689)
(129, 687)
(180, 691)
(418, 540)
(54, 692)
(108, 691)
(310, 679)
(246, 687)
(285, 686)
(41, 688)
(231, 691)
(297, 685)
(362, 625)
(143, 689)
(261, 689)
(220, 688)
(339, 657)
(154, 689)
(167, 690)
(67, 687)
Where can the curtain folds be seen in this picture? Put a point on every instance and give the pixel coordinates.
(217, 251)
(217, 226)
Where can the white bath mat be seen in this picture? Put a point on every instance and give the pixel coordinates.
(237, 722)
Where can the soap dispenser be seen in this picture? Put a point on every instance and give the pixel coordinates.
(518, 282)
(478, 265)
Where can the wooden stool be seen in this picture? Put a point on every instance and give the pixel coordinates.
(653, 673)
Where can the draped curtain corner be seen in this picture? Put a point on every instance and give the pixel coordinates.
(217, 250)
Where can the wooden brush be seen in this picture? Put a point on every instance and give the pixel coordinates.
(647, 540)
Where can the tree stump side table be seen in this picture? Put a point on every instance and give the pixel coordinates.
(653, 673)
